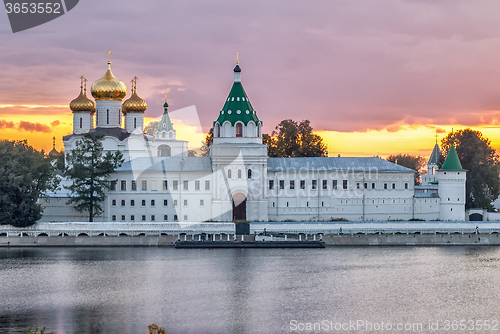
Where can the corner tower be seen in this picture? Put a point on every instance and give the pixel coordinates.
(432, 166)
(451, 178)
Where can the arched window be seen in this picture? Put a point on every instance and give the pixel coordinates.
(239, 173)
(228, 173)
(239, 130)
(135, 122)
(164, 135)
(81, 123)
(96, 118)
(249, 173)
(164, 151)
(217, 129)
(258, 130)
(107, 116)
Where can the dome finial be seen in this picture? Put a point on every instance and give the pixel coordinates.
(166, 96)
(135, 84)
(237, 58)
(109, 56)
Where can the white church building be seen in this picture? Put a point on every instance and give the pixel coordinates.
(238, 181)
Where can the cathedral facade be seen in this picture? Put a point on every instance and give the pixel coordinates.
(238, 181)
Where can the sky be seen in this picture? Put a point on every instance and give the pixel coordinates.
(373, 77)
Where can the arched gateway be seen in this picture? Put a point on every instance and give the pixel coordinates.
(239, 207)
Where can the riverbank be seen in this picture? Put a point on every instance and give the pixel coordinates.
(330, 240)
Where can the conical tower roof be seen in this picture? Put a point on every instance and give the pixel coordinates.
(452, 162)
(237, 106)
(435, 155)
(165, 123)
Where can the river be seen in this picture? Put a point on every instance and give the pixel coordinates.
(337, 289)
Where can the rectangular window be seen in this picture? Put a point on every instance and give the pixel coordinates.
(185, 185)
(113, 185)
(175, 202)
(134, 185)
(373, 185)
(292, 184)
(144, 185)
(344, 184)
(165, 202)
(132, 217)
(185, 202)
(314, 184)
(406, 185)
(325, 184)
(123, 185)
(175, 185)
(302, 184)
(165, 185)
(153, 218)
(152, 202)
(282, 184)
(113, 218)
(123, 217)
(334, 184)
(271, 184)
(196, 185)
(202, 202)
(207, 185)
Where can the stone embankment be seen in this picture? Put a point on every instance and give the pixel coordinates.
(330, 240)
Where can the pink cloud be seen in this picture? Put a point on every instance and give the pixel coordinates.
(6, 125)
(33, 127)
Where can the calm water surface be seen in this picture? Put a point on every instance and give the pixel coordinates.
(122, 290)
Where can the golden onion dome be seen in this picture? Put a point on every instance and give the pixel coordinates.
(134, 104)
(108, 87)
(82, 103)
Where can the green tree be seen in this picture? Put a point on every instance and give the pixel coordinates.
(411, 161)
(482, 165)
(205, 145)
(89, 169)
(25, 175)
(294, 139)
(151, 127)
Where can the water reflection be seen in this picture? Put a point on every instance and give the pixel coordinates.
(123, 290)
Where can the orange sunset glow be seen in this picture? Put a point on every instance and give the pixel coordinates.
(374, 78)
